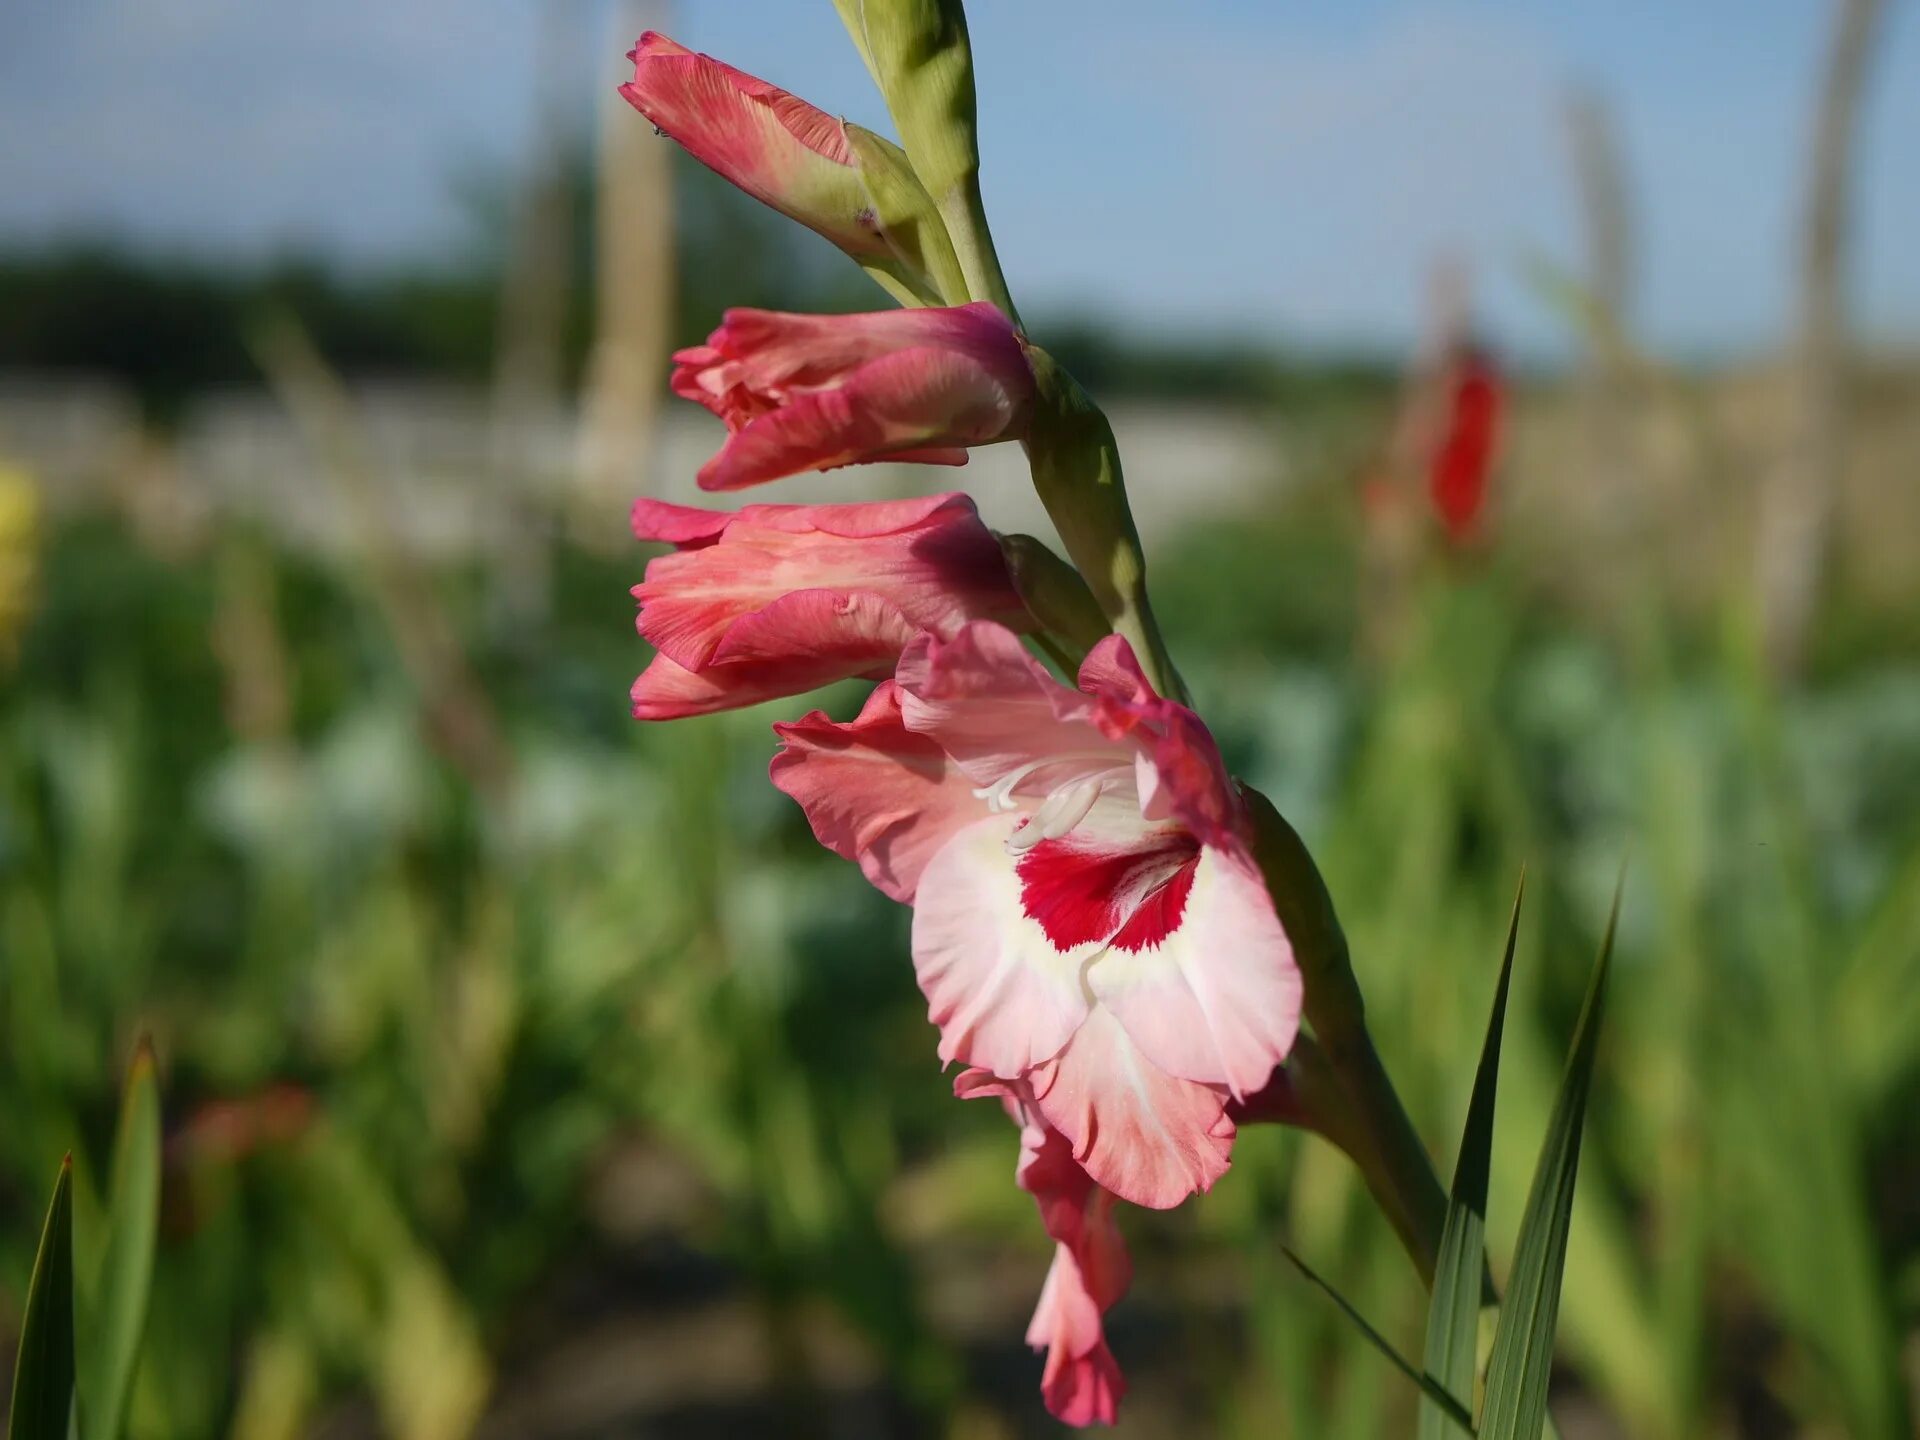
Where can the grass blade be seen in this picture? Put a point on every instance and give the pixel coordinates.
(1453, 1315)
(43, 1374)
(1445, 1403)
(116, 1309)
(1522, 1361)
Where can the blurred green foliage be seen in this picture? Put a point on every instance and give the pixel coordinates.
(457, 1075)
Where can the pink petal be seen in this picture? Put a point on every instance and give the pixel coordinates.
(819, 632)
(666, 691)
(801, 118)
(936, 564)
(1075, 1211)
(1112, 670)
(1090, 1273)
(995, 709)
(800, 642)
(779, 149)
(686, 527)
(909, 400)
(1181, 774)
(1002, 995)
(1149, 1137)
(1217, 998)
(1082, 1383)
(776, 350)
(874, 792)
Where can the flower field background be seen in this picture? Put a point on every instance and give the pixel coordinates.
(525, 1071)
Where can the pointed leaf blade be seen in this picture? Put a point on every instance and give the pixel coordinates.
(1522, 1360)
(1453, 1315)
(123, 1284)
(43, 1373)
(1445, 1403)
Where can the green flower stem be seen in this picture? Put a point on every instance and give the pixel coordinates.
(1339, 1076)
(1076, 470)
(965, 214)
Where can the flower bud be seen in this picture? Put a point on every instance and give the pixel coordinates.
(1054, 593)
(920, 57)
(850, 186)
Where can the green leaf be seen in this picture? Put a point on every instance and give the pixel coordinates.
(1522, 1360)
(1453, 1315)
(1428, 1387)
(116, 1309)
(43, 1374)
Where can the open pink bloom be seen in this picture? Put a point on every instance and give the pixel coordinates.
(1082, 1383)
(781, 599)
(1088, 917)
(812, 392)
(776, 147)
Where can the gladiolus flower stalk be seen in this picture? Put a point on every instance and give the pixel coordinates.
(1119, 943)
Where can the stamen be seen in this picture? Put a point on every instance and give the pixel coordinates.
(1068, 808)
(999, 795)
(1064, 806)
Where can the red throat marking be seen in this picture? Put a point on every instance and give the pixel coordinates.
(1132, 899)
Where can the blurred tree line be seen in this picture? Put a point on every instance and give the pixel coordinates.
(170, 325)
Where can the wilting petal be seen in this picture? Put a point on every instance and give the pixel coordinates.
(1147, 1136)
(1082, 1383)
(1216, 996)
(776, 147)
(1075, 1211)
(875, 792)
(1003, 996)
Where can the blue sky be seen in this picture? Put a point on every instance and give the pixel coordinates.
(1284, 168)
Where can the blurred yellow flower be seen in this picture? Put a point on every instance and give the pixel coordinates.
(19, 544)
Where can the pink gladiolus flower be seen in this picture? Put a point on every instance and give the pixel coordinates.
(780, 599)
(1082, 1383)
(776, 147)
(812, 392)
(1088, 917)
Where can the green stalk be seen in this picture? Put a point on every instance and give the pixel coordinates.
(965, 214)
(1342, 1078)
(1076, 471)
